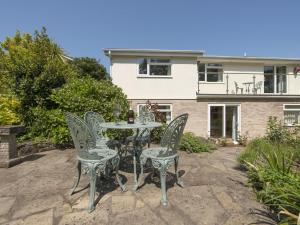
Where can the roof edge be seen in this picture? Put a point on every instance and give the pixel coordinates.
(152, 52)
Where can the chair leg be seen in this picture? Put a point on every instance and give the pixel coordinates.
(78, 177)
(93, 177)
(123, 187)
(163, 173)
(179, 181)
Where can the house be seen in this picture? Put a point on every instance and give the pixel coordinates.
(225, 96)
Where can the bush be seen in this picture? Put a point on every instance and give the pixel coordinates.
(32, 67)
(87, 94)
(48, 126)
(9, 106)
(191, 143)
(273, 171)
(157, 133)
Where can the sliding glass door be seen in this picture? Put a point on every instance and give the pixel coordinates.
(223, 121)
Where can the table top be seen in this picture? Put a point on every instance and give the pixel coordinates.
(125, 125)
(248, 83)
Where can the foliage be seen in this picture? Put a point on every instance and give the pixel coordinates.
(243, 139)
(33, 66)
(275, 131)
(157, 133)
(153, 107)
(49, 126)
(87, 94)
(273, 169)
(90, 67)
(191, 143)
(9, 106)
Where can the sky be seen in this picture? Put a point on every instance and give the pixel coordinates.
(220, 27)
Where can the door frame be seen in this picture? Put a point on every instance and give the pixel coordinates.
(238, 105)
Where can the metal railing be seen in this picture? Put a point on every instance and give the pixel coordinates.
(250, 83)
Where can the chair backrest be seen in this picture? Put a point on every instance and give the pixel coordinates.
(145, 115)
(173, 133)
(94, 120)
(258, 84)
(82, 136)
(236, 84)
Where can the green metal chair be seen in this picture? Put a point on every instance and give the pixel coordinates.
(166, 155)
(94, 120)
(91, 160)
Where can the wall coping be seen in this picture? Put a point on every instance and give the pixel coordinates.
(11, 129)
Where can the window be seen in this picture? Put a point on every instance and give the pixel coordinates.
(275, 79)
(210, 72)
(154, 67)
(165, 109)
(291, 115)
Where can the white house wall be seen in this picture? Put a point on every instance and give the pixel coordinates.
(181, 85)
(184, 80)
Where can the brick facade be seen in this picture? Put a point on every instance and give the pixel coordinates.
(254, 113)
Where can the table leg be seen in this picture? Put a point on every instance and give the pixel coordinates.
(134, 157)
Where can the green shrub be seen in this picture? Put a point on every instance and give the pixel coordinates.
(9, 106)
(32, 66)
(87, 94)
(274, 173)
(157, 133)
(48, 126)
(191, 143)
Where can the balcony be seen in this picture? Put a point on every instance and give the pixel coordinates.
(251, 85)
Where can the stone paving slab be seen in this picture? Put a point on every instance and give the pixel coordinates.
(215, 192)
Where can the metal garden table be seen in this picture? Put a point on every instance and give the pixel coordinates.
(247, 84)
(137, 125)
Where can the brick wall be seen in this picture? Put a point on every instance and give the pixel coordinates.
(254, 113)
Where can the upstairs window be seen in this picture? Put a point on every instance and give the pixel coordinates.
(154, 67)
(210, 72)
(291, 115)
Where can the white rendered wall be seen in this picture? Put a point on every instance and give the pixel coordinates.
(181, 85)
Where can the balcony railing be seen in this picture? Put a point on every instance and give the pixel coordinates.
(251, 84)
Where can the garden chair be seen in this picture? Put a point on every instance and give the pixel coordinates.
(166, 155)
(94, 120)
(91, 160)
(237, 88)
(258, 86)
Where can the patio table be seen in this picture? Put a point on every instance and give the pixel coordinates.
(137, 125)
(247, 84)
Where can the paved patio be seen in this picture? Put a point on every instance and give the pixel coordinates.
(37, 192)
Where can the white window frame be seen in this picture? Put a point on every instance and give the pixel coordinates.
(160, 110)
(148, 75)
(275, 78)
(290, 110)
(205, 73)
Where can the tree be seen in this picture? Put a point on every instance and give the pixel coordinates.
(90, 67)
(33, 67)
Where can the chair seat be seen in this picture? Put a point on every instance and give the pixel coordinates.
(98, 154)
(158, 153)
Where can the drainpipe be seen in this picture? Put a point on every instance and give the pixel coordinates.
(227, 90)
(110, 64)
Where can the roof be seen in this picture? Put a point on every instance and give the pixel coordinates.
(200, 55)
(249, 59)
(152, 52)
